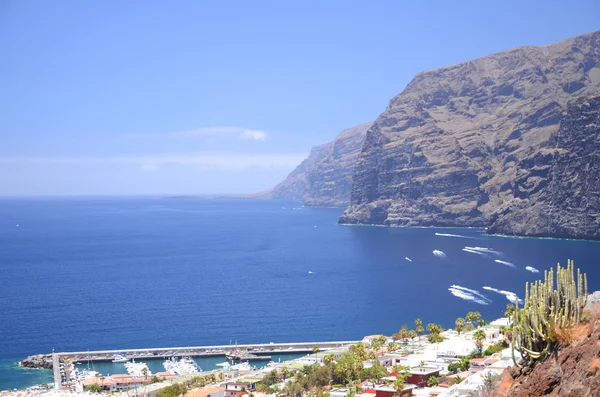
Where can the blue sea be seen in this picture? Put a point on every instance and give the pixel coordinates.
(108, 273)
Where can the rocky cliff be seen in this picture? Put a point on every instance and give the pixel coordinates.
(574, 371)
(324, 178)
(38, 361)
(558, 186)
(454, 148)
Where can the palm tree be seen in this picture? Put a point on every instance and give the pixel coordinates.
(479, 337)
(456, 380)
(412, 334)
(460, 323)
(419, 329)
(510, 309)
(399, 384)
(285, 372)
(145, 372)
(391, 346)
(329, 359)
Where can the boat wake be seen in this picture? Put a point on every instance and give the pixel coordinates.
(453, 235)
(408, 259)
(511, 296)
(469, 294)
(467, 249)
(506, 263)
(483, 250)
(531, 269)
(439, 254)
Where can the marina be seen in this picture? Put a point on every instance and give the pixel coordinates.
(179, 360)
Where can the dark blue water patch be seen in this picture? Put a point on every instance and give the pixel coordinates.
(87, 274)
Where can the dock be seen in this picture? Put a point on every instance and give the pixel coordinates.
(260, 351)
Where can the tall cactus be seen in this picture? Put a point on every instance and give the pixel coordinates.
(546, 310)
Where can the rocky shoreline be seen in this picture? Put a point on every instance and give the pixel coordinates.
(37, 361)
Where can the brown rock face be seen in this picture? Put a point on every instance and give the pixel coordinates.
(453, 148)
(325, 177)
(559, 185)
(573, 372)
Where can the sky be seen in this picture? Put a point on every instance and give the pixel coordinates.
(223, 97)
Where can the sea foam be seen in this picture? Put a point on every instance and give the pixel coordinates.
(469, 294)
(511, 296)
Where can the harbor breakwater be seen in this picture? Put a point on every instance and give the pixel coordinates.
(46, 360)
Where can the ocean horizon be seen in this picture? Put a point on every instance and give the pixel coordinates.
(90, 273)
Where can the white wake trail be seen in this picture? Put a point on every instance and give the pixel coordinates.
(511, 296)
(466, 249)
(506, 263)
(439, 254)
(452, 235)
(485, 250)
(469, 294)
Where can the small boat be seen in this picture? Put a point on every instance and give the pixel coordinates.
(224, 364)
(119, 359)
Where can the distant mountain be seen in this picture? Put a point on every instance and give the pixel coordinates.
(491, 142)
(324, 178)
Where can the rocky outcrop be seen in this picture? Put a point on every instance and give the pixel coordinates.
(324, 178)
(451, 149)
(574, 371)
(38, 361)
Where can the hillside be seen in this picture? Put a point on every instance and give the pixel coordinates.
(324, 178)
(573, 372)
(464, 146)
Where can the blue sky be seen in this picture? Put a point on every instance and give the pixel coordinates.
(201, 97)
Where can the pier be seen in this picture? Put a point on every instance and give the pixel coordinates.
(252, 351)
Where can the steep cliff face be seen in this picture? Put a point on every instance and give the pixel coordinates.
(559, 185)
(447, 149)
(296, 184)
(325, 177)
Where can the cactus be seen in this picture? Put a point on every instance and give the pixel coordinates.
(546, 310)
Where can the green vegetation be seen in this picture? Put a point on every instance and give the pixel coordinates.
(459, 324)
(456, 380)
(465, 363)
(93, 388)
(548, 312)
(175, 390)
(479, 337)
(419, 329)
(433, 381)
(155, 379)
(497, 347)
(435, 331)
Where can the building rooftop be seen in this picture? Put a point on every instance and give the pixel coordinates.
(423, 370)
(205, 391)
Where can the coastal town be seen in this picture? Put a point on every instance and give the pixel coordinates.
(410, 363)
(426, 361)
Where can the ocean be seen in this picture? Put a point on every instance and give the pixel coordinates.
(81, 274)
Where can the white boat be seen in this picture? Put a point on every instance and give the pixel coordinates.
(119, 359)
(241, 367)
(185, 366)
(224, 364)
(137, 369)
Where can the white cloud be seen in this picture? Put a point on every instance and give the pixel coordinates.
(242, 133)
(254, 134)
(220, 160)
